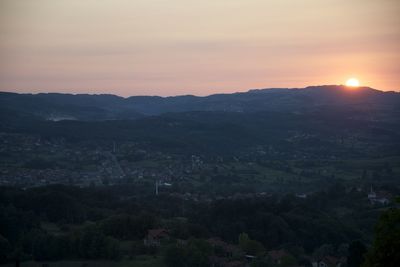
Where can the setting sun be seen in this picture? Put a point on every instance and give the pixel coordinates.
(353, 82)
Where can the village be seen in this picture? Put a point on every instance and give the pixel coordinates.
(55, 161)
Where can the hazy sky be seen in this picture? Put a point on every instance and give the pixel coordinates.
(170, 47)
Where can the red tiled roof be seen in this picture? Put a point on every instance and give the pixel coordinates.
(277, 254)
(225, 246)
(157, 233)
(330, 261)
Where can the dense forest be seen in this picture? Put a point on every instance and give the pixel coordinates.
(60, 222)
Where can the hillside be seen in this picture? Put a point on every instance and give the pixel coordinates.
(105, 107)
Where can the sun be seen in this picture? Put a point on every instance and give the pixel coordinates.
(352, 82)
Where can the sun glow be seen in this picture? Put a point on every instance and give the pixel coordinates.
(353, 82)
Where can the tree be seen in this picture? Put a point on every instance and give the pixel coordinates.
(243, 239)
(90, 243)
(364, 175)
(356, 254)
(249, 246)
(324, 250)
(261, 262)
(175, 256)
(288, 260)
(386, 246)
(5, 249)
(195, 254)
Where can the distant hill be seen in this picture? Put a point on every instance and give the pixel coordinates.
(54, 106)
(313, 121)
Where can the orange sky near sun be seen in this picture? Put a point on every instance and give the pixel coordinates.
(170, 47)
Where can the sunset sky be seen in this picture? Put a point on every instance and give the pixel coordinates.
(171, 47)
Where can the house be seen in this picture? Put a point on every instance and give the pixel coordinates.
(277, 256)
(216, 261)
(328, 261)
(224, 249)
(155, 237)
(381, 197)
(225, 254)
(303, 196)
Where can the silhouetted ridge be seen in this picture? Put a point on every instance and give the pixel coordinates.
(54, 106)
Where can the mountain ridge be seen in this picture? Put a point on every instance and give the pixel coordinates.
(58, 106)
(266, 89)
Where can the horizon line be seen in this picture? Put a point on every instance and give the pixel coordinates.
(216, 93)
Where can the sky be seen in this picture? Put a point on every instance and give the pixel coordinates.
(174, 47)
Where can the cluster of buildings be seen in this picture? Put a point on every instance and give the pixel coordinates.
(380, 197)
(31, 161)
(229, 255)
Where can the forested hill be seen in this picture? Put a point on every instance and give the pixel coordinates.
(54, 106)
